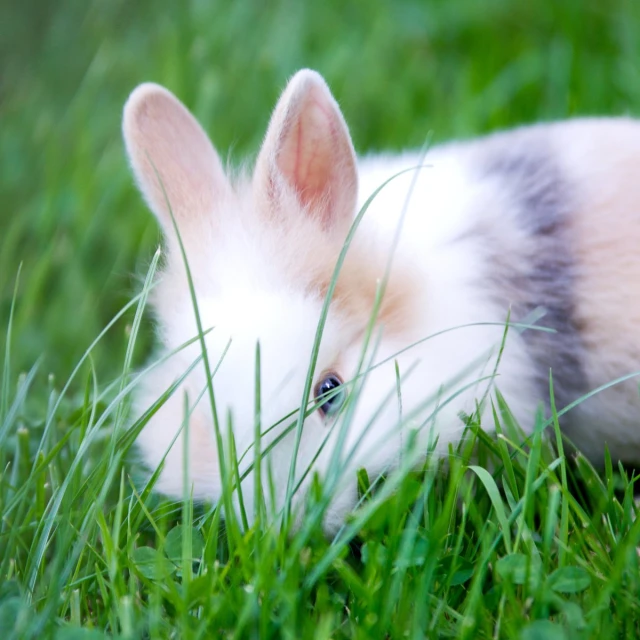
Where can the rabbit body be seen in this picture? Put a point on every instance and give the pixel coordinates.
(540, 224)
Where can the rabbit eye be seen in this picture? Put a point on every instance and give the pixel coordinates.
(331, 387)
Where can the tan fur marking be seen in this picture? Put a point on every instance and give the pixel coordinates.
(604, 161)
(358, 285)
(358, 282)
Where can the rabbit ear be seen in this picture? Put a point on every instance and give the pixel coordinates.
(308, 151)
(177, 169)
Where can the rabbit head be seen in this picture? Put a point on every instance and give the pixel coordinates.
(261, 252)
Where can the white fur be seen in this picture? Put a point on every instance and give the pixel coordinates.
(243, 259)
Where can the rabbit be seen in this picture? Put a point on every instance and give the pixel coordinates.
(536, 225)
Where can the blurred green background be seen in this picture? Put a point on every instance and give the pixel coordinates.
(399, 68)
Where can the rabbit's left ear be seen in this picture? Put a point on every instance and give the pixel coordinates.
(308, 153)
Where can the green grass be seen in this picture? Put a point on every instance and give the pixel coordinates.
(539, 547)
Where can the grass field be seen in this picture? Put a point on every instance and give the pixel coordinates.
(538, 548)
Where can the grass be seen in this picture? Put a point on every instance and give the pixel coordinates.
(541, 546)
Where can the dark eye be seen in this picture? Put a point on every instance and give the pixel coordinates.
(330, 386)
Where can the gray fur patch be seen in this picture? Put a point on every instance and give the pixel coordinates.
(544, 277)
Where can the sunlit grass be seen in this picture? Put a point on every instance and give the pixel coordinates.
(446, 549)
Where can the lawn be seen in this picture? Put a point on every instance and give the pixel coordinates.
(542, 546)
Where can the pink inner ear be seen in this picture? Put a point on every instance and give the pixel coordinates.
(310, 156)
(307, 155)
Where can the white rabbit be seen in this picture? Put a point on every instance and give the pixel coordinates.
(541, 220)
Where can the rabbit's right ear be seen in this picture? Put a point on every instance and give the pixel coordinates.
(175, 165)
(308, 152)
